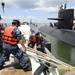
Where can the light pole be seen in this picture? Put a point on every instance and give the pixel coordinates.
(3, 4)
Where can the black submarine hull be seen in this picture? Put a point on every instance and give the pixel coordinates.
(65, 35)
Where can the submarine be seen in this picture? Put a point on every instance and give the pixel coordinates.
(63, 29)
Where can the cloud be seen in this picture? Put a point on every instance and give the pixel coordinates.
(32, 7)
(49, 9)
(40, 5)
(32, 17)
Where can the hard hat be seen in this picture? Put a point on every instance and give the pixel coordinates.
(16, 22)
(24, 22)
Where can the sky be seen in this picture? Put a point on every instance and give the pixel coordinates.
(36, 10)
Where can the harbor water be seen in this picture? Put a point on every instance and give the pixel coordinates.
(59, 49)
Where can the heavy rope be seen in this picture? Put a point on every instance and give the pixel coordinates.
(50, 59)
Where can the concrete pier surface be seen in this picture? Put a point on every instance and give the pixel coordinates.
(10, 70)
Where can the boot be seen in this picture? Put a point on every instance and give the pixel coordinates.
(28, 69)
(1, 67)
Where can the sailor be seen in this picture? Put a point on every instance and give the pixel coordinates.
(61, 7)
(12, 36)
(1, 32)
(25, 30)
(38, 40)
(73, 25)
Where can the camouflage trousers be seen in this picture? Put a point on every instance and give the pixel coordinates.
(19, 54)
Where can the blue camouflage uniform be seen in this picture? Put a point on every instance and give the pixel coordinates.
(15, 50)
(42, 43)
(1, 47)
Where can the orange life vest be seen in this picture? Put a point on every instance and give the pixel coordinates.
(8, 37)
(33, 39)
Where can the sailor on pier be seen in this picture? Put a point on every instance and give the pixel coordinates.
(12, 36)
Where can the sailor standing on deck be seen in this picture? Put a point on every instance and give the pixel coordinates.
(12, 36)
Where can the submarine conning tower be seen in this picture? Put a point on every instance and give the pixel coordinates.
(67, 17)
